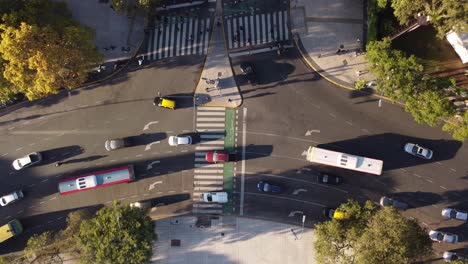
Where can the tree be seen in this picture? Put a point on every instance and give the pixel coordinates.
(353, 239)
(336, 239)
(398, 77)
(117, 235)
(430, 107)
(42, 249)
(445, 15)
(458, 126)
(400, 240)
(40, 61)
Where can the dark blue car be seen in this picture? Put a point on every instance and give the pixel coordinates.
(264, 186)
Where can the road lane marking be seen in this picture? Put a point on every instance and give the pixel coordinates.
(429, 180)
(146, 127)
(349, 123)
(332, 115)
(150, 166)
(452, 169)
(294, 213)
(443, 187)
(148, 146)
(285, 198)
(18, 149)
(244, 140)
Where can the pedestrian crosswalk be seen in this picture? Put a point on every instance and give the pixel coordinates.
(256, 29)
(175, 36)
(210, 124)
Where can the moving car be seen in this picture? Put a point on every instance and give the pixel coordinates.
(247, 69)
(451, 256)
(28, 160)
(450, 213)
(215, 197)
(164, 102)
(180, 140)
(327, 178)
(267, 187)
(333, 213)
(418, 151)
(117, 143)
(386, 201)
(11, 198)
(219, 156)
(445, 237)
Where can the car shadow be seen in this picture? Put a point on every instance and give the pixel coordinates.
(59, 154)
(145, 138)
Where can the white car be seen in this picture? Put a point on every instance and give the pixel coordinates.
(445, 237)
(418, 151)
(451, 256)
(215, 197)
(28, 160)
(180, 140)
(11, 198)
(450, 213)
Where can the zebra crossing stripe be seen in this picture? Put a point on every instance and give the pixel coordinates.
(275, 34)
(211, 108)
(208, 148)
(208, 177)
(285, 25)
(208, 27)
(208, 171)
(229, 33)
(221, 119)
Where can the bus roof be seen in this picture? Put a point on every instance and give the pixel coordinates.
(344, 160)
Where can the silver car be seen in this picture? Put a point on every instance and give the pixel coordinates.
(180, 140)
(450, 213)
(418, 151)
(11, 198)
(117, 143)
(445, 237)
(386, 201)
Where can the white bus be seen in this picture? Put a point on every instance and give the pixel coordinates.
(345, 161)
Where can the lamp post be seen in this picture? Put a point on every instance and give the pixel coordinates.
(303, 221)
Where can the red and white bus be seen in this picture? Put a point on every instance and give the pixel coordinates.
(97, 180)
(345, 161)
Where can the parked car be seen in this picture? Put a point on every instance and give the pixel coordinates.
(333, 213)
(445, 237)
(180, 140)
(451, 213)
(215, 197)
(451, 256)
(418, 151)
(117, 143)
(327, 178)
(386, 201)
(164, 102)
(11, 198)
(248, 70)
(268, 187)
(219, 156)
(27, 161)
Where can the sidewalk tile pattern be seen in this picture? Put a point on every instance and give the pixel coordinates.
(256, 29)
(210, 124)
(178, 38)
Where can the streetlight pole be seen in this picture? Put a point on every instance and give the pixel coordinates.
(303, 221)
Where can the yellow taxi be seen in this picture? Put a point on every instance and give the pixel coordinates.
(164, 102)
(333, 213)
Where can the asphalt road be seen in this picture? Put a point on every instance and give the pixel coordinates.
(72, 128)
(291, 109)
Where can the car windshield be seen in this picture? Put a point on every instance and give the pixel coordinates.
(3, 201)
(209, 198)
(414, 150)
(453, 214)
(420, 151)
(440, 236)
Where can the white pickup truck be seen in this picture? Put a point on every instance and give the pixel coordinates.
(215, 197)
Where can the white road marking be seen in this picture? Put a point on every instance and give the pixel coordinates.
(154, 184)
(18, 149)
(112, 160)
(429, 180)
(332, 115)
(44, 180)
(210, 119)
(150, 166)
(309, 132)
(208, 148)
(452, 169)
(209, 171)
(211, 108)
(139, 155)
(297, 191)
(211, 113)
(217, 142)
(4, 154)
(149, 124)
(417, 175)
(443, 187)
(285, 198)
(244, 140)
(210, 124)
(11, 128)
(365, 130)
(148, 146)
(53, 198)
(349, 123)
(294, 213)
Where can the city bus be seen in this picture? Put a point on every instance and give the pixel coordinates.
(11, 229)
(97, 180)
(345, 161)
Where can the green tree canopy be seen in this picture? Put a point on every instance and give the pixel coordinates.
(398, 77)
(445, 15)
(117, 235)
(369, 235)
(458, 126)
(430, 107)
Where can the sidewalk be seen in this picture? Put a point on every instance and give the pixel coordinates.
(217, 86)
(331, 38)
(231, 240)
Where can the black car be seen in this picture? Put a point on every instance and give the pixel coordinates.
(248, 70)
(327, 178)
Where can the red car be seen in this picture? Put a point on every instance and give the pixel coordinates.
(219, 156)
